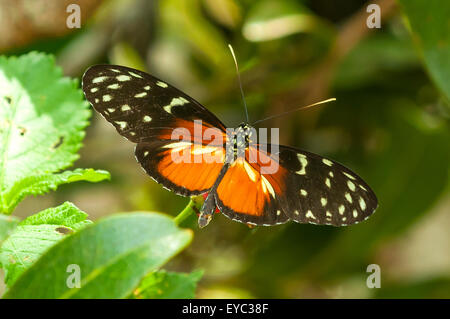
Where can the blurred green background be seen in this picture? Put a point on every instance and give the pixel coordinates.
(390, 124)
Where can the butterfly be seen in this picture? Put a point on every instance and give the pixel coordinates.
(304, 187)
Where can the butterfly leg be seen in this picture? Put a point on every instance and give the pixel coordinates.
(209, 205)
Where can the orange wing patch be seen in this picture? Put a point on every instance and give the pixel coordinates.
(245, 190)
(191, 166)
(183, 167)
(203, 133)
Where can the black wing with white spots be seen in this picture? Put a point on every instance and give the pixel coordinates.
(322, 191)
(140, 106)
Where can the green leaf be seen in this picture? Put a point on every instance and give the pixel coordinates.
(428, 21)
(168, 285)
(199, 32)
(113, 255)
(387, 54)
(271, 20)
(7, 224)
(39, 184)
(42, 117)
(34, 235)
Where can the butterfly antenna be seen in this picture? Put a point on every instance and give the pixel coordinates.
(295, 110)
(239, 80)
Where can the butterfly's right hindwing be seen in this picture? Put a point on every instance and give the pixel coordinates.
(322, 191)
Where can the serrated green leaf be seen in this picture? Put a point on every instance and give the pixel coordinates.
(34, 235)
(113, 255)
(39, 184)
(42, 117)
(168, 285)
(428, 21)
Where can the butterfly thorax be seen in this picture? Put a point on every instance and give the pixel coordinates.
(239, 141)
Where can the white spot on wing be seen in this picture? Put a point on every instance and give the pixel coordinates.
(135, 75)
(161, 84)
(114, 86)
(303, 162)
(168, 108)
(178, 101)
(123, 78)
(362, 203)
(250, 172)
(146, 118)
(121, 124)
(99, 79)
(142, 94)
(349, 198)
(348, 175)
(327, 162)
(351, 186)
(267, 185)
(125, 107)
(177, 144)
(309, 214)
(197, 150)
(323, 201)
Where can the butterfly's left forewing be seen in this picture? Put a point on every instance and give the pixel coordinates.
(141, 106)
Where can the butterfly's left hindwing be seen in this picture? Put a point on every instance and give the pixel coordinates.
(159, 158)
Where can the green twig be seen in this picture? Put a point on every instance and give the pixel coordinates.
(192, 207)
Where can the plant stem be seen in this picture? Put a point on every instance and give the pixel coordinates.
(191, 207)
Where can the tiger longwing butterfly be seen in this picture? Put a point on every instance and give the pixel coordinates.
(306, 187)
